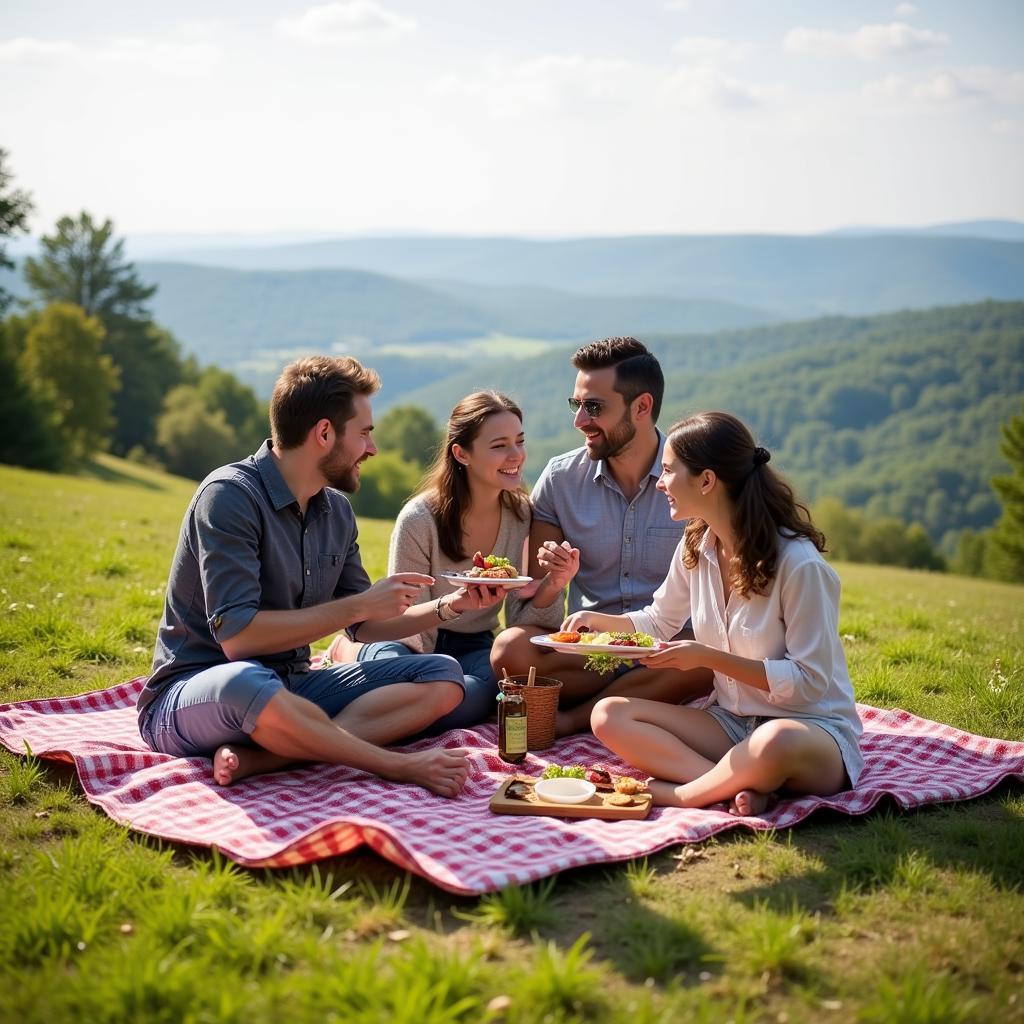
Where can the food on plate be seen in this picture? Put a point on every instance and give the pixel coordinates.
(600, 778)
(619, 639)
(619, 800)
(518, 790)
(557, 771)
(628, 786)
(565, 638)
(492, 567)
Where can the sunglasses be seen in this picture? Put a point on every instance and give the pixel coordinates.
(592, 406)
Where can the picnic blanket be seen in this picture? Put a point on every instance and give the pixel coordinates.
(322, 811)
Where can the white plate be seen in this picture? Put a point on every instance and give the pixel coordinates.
(584, 649)
(565, 791)
(458, 580)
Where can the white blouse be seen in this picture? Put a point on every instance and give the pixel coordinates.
(793, 629)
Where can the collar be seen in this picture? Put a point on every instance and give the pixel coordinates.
(279, 492)
(601, 469)
(707, 549)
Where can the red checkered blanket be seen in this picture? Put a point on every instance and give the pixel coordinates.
(321, 811)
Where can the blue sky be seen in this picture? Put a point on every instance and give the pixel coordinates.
(546, 118)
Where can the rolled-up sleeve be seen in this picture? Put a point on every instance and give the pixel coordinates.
(810, 613)
(670, 606)
(225, 539)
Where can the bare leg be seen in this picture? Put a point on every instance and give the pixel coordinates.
(666, 686)
(784, 753)
(291, 729)
(393, 712)
(662, 740)
(582, 689)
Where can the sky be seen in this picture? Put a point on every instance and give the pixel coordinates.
(537, 118)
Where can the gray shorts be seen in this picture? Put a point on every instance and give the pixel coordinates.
(740, 727)
(195, 715)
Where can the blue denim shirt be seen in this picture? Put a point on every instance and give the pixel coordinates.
(626, 546)
(245, 547)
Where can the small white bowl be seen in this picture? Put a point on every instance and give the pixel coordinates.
(565, 791)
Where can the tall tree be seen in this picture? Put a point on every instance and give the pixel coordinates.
(149, 360)
(63, 362)
(410, 432)
(193, 440)
(84, 264)
(1004, 553)
(15, 206)
(28, 422)
(245, 413)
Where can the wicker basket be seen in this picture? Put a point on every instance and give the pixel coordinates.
(541, 705)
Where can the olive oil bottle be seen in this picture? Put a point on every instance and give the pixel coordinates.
(512, 725)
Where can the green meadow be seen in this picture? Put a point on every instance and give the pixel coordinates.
(905, 917)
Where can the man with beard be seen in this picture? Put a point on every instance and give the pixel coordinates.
(600, 526)
(268, 562)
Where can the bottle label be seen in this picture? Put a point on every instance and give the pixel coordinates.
(515, 735)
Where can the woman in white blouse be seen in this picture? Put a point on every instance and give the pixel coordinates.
(765, 611)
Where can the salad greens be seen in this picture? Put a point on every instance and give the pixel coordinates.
(557, 771)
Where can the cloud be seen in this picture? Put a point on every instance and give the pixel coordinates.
(343, 20)
(512, 89)
(950, 87)
(26, 49)
(704, 87)
(904, 10)
(869, 42)
(942, 87)
(710, 49)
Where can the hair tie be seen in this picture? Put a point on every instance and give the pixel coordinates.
(761, 456)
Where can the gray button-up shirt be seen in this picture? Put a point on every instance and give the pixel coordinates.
(245, 547)
(626, 546)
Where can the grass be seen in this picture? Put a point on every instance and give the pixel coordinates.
(891, 917)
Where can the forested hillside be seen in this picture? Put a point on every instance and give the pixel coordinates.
(896, 414)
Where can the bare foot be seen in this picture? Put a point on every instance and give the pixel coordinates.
(230, 764)
(225, 764)
(749, 803)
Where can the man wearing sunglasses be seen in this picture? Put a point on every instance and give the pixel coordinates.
(600, 526)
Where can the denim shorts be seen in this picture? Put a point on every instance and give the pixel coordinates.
(739, 727)
(473, 653)
(195, 715)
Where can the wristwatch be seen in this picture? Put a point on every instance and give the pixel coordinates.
(444, 610)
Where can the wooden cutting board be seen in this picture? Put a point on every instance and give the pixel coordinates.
(595, 807)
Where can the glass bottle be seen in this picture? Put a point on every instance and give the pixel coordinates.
(512, 725)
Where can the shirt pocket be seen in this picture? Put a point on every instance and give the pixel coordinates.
(659, 547)
(331, 567)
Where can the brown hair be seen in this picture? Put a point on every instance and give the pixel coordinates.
(445, 484)
(637, 371)
(764, 505)
(311, 389)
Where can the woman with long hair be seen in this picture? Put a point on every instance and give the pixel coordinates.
(765, 611)
(471, 501)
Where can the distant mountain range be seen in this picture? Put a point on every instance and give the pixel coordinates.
(786, 276)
